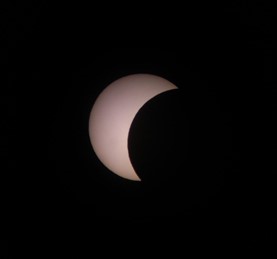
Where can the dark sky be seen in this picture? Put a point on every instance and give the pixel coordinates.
(205, 153)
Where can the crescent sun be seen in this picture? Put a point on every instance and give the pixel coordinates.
(112, 115)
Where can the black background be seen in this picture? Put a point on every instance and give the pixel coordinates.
(205, 152)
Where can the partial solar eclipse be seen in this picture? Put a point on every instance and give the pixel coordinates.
(112, 115)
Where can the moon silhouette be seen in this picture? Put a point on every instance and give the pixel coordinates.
(112, 115)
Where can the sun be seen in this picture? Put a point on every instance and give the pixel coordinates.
(112, 115)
